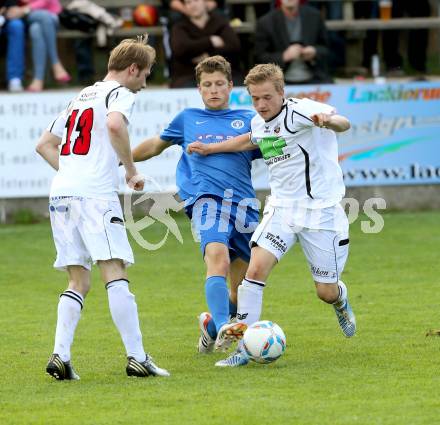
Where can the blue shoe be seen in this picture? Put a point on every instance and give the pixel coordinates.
(236, 359)
(346, 319)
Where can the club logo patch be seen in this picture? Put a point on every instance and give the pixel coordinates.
(237, 124)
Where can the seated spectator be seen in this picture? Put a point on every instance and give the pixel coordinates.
(177, 8)
(42, 19)
(198, 36)
(295, 38)
(14, 28)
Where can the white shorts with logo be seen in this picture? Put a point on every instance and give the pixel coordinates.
(323, 235)
(87, 230)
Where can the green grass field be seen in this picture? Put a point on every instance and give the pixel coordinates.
(387, 374)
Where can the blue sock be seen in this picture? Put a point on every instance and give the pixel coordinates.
(211, 329)
(232, 309)
(217, 297)
(211, 325)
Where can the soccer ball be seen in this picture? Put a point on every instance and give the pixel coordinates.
(145, 15)
(264, 341)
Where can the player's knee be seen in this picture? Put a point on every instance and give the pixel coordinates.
(256, 272)
(217, 263)
(113, 269)
(327, 292)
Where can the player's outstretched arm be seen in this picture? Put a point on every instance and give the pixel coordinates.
(337, 123)
(149, 148)
(47, 147)
(119, 138)
(236, 144)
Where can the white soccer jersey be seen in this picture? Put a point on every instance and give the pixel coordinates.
(88, 164)
(302, 158)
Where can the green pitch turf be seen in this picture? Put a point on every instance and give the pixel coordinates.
(387, 374)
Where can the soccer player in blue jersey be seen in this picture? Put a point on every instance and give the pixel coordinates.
(218, 194)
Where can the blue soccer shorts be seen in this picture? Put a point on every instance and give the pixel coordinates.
(215, 219)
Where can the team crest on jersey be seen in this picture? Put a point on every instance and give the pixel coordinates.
(237, 124)
(277, 129)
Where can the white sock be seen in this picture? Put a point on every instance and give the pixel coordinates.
(69, 312)
(250, 301)
(124, 313)
(342, 295)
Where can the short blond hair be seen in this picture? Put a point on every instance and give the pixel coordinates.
(130, 51)
(265, 72)
(212, 64)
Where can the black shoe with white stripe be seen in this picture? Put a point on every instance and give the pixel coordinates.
(145, 368)
(60, 370)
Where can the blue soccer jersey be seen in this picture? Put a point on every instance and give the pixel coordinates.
(198, 175)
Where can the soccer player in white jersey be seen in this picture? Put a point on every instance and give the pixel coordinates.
(85, 144)
(298, 142)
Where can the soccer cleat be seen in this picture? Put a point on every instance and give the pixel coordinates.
(206, 342)
(145, 368)
(229, 333)
(237, 358)
(60, 370)
(346, 319)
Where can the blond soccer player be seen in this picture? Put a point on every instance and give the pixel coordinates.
(85, 144)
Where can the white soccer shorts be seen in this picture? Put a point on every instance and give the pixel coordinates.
(87, 230)
(324, 243)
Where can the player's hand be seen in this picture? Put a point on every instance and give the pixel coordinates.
(198, 147)
(134, 180)
(321, 120)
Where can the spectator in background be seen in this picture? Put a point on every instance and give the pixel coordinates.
(198, 36)
(14, 28)
(173, 11)
(295, 38)
(42, 19)
(417, 39)
(177, 8)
